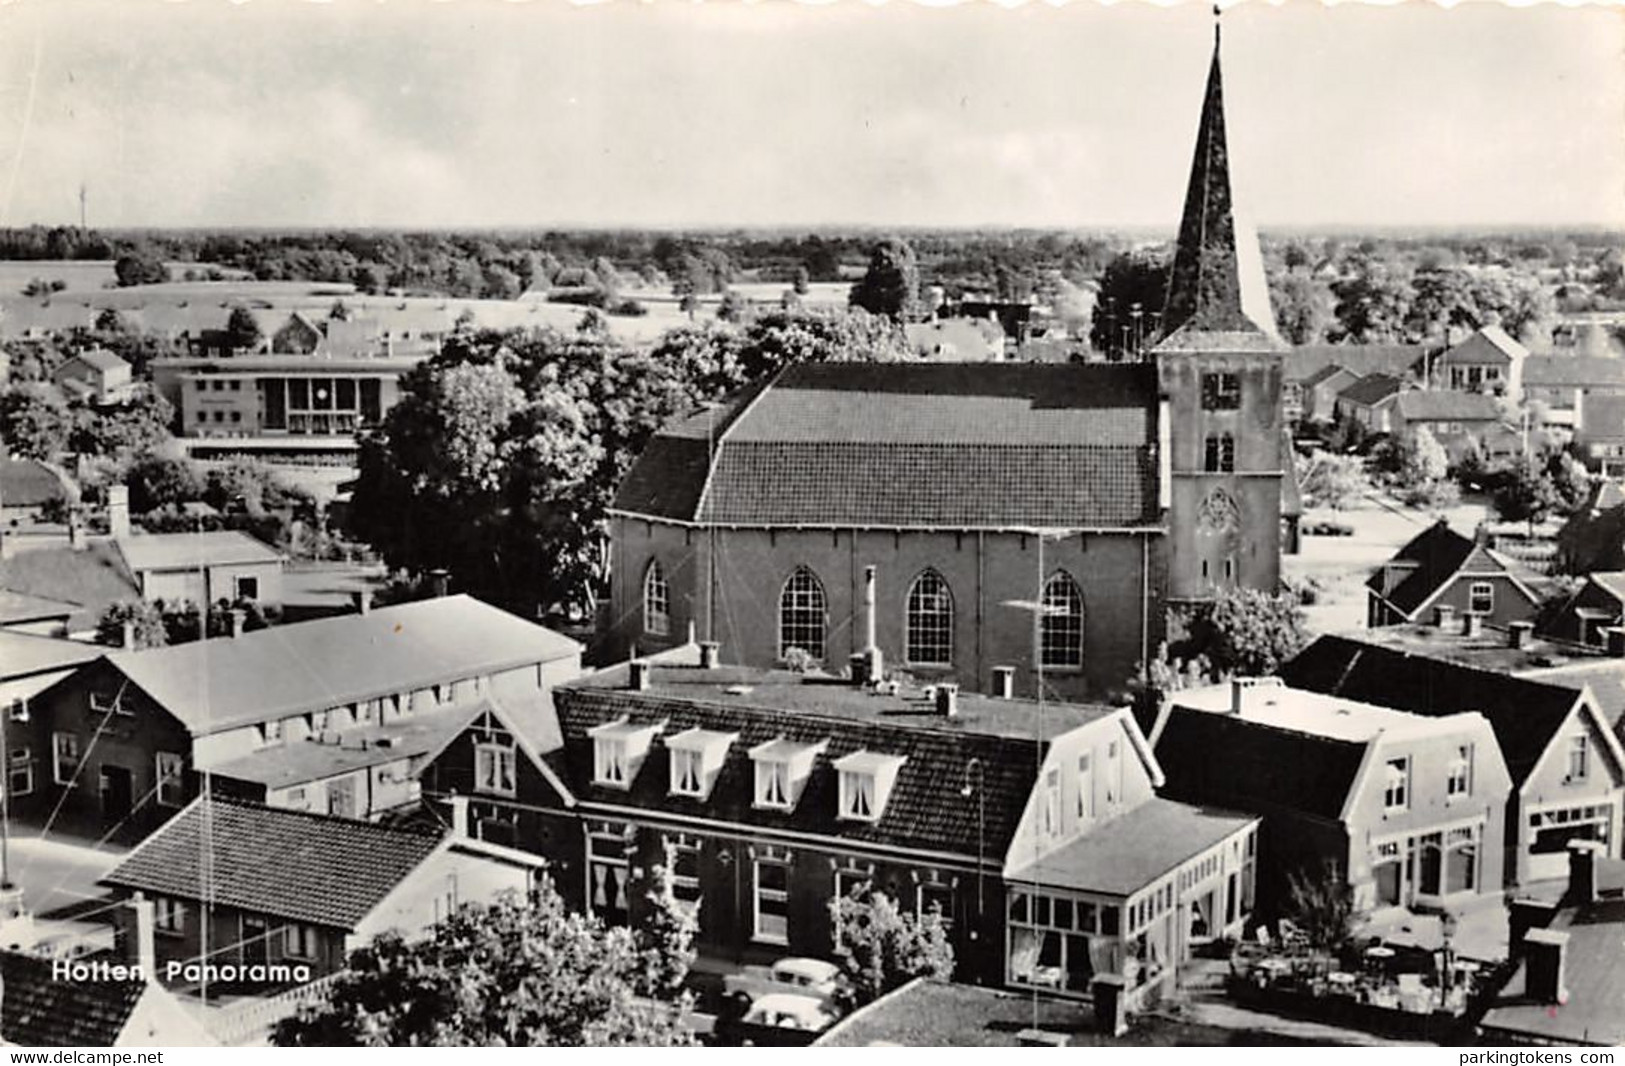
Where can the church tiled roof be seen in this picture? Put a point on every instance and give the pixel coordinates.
(914, 445)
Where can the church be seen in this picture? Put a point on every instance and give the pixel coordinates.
(1013, 528)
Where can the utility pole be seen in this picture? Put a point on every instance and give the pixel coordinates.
(83, 214)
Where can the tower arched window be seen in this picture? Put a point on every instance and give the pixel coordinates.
(1220, 457)
(802, 610)
(930, 621)
(1060, 623)
(656, 600)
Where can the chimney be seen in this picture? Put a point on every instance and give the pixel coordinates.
(1472, 624)
(146, 955)
(1443, 615)
(1004, 682)
(440, 582)
(638, 674)
(1545, 954)
(1241, 686)
(362, 601)
(1616, 641)
(118, 510)
(127, 635)
(693, 634)
(947, 697)
(1482, 537)
(874, 663)
(1518, 633)
(238, 618)
(1583, 855)
(76, 530)
(710, 655)
(459, 817)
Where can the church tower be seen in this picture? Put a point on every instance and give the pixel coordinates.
(1219, 367)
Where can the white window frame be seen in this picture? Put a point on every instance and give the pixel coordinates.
(611, 764)
(300, 941)
(1396, 793)
(1086, 787)
(168, 915)
(1052, 802)
(174, 778)
(1579, 757)
(1484, 590)
(687, 772)
(859, 796)
(656, 600)
(489, 761)
(1068, 619)
(768, 773)
(77, 757)
(928, 621)
(1114, 774)
(773, 895)
(800, 598)
(1459, 782)
(20, 761)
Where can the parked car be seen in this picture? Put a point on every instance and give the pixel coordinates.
(812, 978)
(777, 1019)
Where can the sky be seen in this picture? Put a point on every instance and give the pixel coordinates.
(500, 113)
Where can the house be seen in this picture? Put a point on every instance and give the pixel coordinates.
(1460, 421)
(290, 894)
(1034, 830)
(1317, 394)
(962, 340)
(1569, 981)
(29, 665)
(40, 1008)
(1369, 401)
(124, 737)
(1488, 361)
(1557, 388)
(202, 567)
(97, 376)
(1597, 605)
(1100, 496)
(1409, 810)
(21, 613)
(1593, 538)
(91, 578)
(1441, 570)
(1567, 767)
(1600, 436)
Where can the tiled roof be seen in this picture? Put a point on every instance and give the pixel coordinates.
(1595, 981)
(1611, 582)
(1430, 405)
(183, 551)
(1525, 714)
(1395, 360)
(1137, 847)
(1216, 281)
(1438, 553)
(1327, 372)
(29, 483)
(1372, 389)
(1262, 764)
(1489, 345)
(912, 444)
(38, 1010)
(288, 864)
(289, 669)
(928, 808)
(1579, 371)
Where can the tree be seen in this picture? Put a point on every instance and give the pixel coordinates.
(110, 320)
(1247, 632)
(1372, 306)
(1333, 481)
(148, 621)
(1303, 307)
(891, 286)
(519, 972)
(339, 312)
(1133, 280)
(665, 934)
(1322, 905)
(125, 433)
(802, 281)
(162, 481)
(1570, 479)
(1526, 494)
(734, 307)
(1424, 469)
(881, 947)
(32, 424)
(242, 329)
(140, 266)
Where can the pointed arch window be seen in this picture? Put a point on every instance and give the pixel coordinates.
(802, 609)
(656, 600)
(930, 621)
(1220, 457)
(1060, 623)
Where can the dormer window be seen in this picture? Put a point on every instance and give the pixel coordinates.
(696, 758)
(782, 769)
(866, 779)
(270, 733)
(1396, 785)
(618, 749)
(494, 769)
(1460, 781)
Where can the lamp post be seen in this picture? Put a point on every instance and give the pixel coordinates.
(979, 787)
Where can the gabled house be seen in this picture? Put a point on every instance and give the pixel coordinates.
(1440, 570)
(1593, 538)
(1558, 388)
(1460, 421)
(119, 743)
(1596, 606)
(40, 1008)
(290, 894)
(1600, 436)
(1408, 810)
(1567, 767)
(1317, 394)
(97, 376)
(22, 613)
(1370, 402)
(1488, 361)
(203, 567)
(1036, 832)
(90, 578)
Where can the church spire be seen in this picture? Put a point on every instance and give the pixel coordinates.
(1216, 283)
